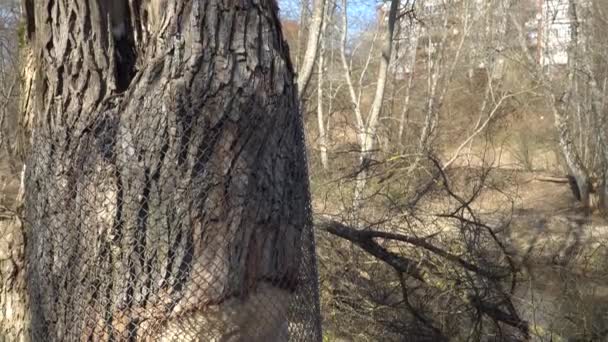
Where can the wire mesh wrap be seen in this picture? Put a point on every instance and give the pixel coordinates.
(128, 247)
(177, 210)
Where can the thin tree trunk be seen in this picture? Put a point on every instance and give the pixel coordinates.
(600, 124)
(573, 161)
(312, 47)
(347, 73)
(406, 101)
(167, 192)
(328, 39)
(320, 119)
(562, 119)
(412, 52)
(302, 24)
(371, 126)
(560, 113)
(435, 97)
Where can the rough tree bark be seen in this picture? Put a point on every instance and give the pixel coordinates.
(166, 188)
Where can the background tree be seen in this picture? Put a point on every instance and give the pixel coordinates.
(437, 246)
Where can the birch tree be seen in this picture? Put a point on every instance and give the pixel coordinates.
(320, 83)
(560, 106)
(312, 46)
(367, 127)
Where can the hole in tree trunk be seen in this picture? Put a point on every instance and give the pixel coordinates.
(124, 49)
(30, 21)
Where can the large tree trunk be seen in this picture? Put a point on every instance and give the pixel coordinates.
(166, 189)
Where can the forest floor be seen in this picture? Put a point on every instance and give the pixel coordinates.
(563, 286)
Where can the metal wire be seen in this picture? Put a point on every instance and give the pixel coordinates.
(139, 230)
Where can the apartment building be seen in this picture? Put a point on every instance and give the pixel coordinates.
(547, 25)
(555, 24)
(554, 31)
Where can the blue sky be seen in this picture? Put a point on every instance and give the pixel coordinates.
(360, 12)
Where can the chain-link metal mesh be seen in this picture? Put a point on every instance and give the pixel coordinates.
(171, 227)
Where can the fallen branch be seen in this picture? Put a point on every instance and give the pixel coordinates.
(364, 238)
(552, 179)
(367, 243)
